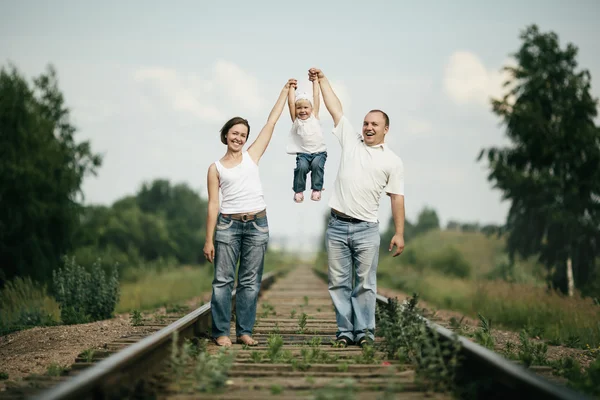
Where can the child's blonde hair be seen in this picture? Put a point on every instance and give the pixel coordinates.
(303, 96)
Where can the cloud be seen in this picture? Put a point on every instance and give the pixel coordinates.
(468, 81)
(238, 85)
(228, 89)
(343, 94)
(416, 127)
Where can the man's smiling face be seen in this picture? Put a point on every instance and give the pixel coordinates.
(374, 128)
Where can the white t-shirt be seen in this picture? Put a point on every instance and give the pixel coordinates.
(306, 136)
(365, 172)
(241, 189)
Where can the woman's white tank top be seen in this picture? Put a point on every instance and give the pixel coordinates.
(241, 189)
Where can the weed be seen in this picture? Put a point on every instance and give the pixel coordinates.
(175, 308)
(338, 389)
(274, 349)
(343, 367)
(136, 318)
(573, 341)
(88, 355)
(408, 339)
(302, 323)
(3, 376)
(293, 313)
(55, 369)
(210, 371)
(531, 353)
(276, 389)
(267, 309)
(367, 355)
(256, 356)
(535, 330)
(586, 381)
(483, 335)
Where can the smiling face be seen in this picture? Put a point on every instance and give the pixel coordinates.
(303, 109)
(237, 136)
(375, 127)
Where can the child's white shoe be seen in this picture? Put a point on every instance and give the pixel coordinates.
(299, 197)
(316, 195)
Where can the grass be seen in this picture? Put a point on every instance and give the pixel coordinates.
(559, 319)
(25, 304)
(171, 285)
(520, 301)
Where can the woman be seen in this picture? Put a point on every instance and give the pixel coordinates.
(242, 230)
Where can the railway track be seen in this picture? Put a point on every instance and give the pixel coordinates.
(294, 359)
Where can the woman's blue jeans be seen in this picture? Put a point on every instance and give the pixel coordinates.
(245, 242)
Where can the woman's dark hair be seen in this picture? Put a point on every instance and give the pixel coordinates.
(229, 124)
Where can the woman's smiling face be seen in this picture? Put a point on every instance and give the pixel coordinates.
(237, 136)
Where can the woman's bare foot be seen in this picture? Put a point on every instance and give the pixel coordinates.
(223, 341)
(247, 340)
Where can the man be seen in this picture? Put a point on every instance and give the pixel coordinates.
(368, 167)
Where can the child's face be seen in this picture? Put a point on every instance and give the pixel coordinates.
(303, 109)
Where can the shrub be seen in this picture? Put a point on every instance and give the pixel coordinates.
(85, 296)
(451, 261)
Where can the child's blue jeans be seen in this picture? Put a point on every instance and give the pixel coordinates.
(313, 163)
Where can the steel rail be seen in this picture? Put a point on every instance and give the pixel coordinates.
(102, 380)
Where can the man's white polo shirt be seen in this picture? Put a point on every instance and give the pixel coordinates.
(365, 172)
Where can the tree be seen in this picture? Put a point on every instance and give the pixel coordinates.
(426, 221)
(42, 168)
(551, 173)
(185, 213)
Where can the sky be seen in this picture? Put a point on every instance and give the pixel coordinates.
(149, 84)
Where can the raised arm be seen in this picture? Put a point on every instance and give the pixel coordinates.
(332, 103)
(212, 180)
(316, 98)
(257, 149)
(292, 102)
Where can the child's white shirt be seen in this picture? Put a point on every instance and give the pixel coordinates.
(306, 136)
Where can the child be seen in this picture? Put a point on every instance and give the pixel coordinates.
(307, 142)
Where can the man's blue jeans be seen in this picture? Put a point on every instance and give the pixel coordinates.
(246, 242)
(313, 163)
(353, 254)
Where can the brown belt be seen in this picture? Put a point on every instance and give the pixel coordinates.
(246, 217)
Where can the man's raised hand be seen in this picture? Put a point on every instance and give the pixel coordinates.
(315, 73)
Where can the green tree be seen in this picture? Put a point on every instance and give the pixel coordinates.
(551, 173)
(426, 221)
(42, 168)
(185, 213)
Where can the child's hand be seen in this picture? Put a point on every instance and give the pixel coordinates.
(291, 83)
(315, 73)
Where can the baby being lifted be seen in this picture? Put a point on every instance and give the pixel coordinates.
(307, 143)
